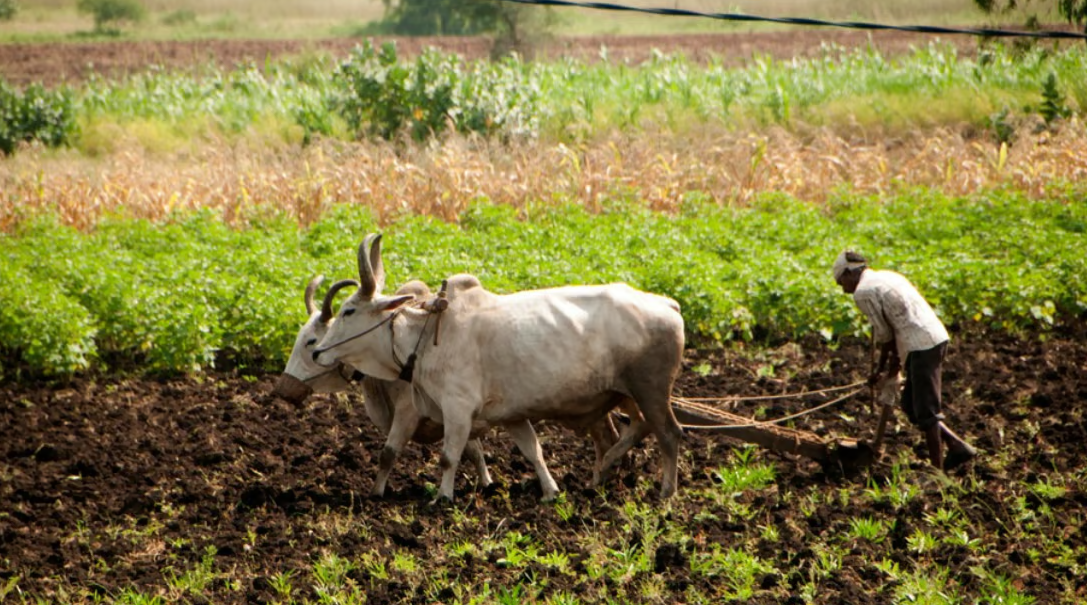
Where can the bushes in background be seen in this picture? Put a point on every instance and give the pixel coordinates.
(177, 296)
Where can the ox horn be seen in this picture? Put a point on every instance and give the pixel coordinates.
(311, 290)
(371, 268)
(326, 306)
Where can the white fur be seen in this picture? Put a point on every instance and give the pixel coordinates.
(388, 402)
(569, 354)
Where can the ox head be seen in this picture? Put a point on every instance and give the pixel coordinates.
(356, 337)
(303, 376)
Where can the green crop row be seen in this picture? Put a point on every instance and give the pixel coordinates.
(376, 93)
(177, 297)
(34, 114)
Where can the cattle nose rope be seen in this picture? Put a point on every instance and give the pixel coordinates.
(339, 367)
(388, 318)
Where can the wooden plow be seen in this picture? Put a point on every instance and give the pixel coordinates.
(848, 454)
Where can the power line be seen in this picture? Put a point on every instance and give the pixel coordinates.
(923, 29)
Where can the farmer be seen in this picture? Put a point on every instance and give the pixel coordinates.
(906, 328)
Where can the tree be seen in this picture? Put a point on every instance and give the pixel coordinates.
(107, 12)
(1075, 11)
(8, 8)
(515, 26)
(441, 17)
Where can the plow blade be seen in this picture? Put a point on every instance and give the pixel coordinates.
(847, 453)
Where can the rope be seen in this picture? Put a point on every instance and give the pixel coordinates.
(387, 319)
(735, 398)
(924, 29)
(719, 427)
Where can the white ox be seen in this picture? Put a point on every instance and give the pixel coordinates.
(569, 354)
(388, 402)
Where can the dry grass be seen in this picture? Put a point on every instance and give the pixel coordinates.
(656, 168)
(305, 19)
(294, 19)
(929, 12)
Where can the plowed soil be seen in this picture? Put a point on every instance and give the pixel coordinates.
(106, 482)
(51, 64)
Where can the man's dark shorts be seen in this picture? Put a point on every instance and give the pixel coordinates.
(921, 393)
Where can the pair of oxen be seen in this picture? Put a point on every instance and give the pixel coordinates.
(453, 365)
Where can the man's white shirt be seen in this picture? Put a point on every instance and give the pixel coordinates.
(898, 311)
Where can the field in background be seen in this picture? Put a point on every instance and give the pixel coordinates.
(563, 131)
(298, 19)
(185, 241)
(51, 20)
(728, 168)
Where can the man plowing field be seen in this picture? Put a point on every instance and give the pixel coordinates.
(906, 327)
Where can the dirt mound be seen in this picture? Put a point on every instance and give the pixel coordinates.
(108, 484)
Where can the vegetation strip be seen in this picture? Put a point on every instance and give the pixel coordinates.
(376, 94)
(178, 296)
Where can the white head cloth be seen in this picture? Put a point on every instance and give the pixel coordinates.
(841, 264)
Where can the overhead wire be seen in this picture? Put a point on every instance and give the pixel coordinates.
(923, 29)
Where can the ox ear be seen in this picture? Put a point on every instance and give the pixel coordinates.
(326, 306)
(392, 302)
(371, 269)
(311, 290)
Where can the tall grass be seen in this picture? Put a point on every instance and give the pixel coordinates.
(654, 168)
(52, 20)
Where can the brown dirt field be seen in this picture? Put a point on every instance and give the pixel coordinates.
(21, 64)
(108, 481)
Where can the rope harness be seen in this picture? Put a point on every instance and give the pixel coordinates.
(691, 405)
(440, 303)
(340, 367)
(434, 306)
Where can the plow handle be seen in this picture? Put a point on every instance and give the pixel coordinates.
(884, 416)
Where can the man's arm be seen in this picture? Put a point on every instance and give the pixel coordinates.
(890, 351)
(883, 333)
(873, 309)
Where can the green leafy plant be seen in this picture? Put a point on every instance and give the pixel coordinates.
(35, 114)
(1053, 107)
(1002, 128)
(744, 475)
(868, 528)
(381, 96)
(41, 327)
(388, 97)
(196, 579)
(1001, 589)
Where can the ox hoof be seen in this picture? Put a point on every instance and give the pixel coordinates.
(441, 501)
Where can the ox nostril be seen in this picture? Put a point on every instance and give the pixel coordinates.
(315, 354)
